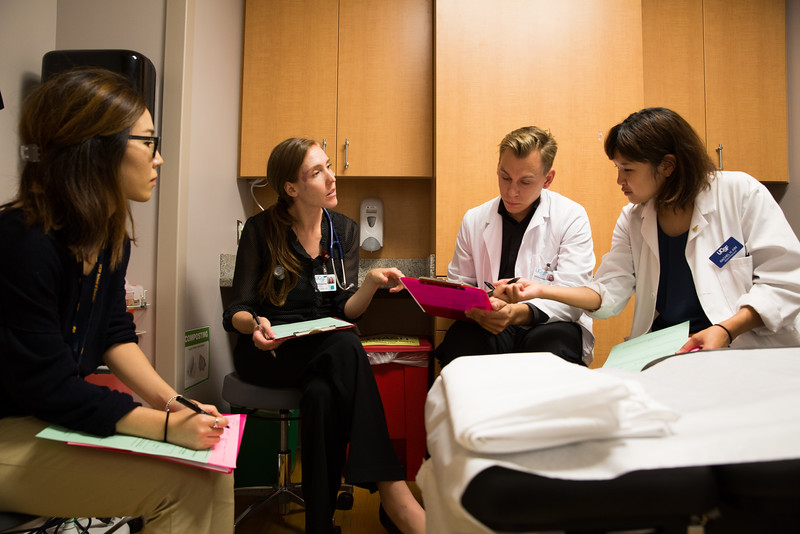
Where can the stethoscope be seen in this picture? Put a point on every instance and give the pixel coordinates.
(335, 244)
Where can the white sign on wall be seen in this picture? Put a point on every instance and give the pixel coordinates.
(196, 356)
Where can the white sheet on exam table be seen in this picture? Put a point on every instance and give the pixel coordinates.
(736, 406)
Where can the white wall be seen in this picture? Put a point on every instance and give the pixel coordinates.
(216, 198)
(27, 31)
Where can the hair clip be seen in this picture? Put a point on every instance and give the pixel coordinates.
(29, 153)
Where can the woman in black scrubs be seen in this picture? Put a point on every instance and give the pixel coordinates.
(296, 261)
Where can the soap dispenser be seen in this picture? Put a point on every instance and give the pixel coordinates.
(371, 224)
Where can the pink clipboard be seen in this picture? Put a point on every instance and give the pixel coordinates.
(446, 299)
(222, 457)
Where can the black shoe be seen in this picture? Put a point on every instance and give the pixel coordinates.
(387, 522)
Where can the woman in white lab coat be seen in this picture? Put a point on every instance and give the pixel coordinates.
(711, 247)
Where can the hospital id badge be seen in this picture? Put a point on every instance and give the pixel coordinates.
(723, 254)
(325, 282)
(544, 274)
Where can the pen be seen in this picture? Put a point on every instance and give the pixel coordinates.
(195, 408)
(491, 288)
(258, 325)
(190, 404)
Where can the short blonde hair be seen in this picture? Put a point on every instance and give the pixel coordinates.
(525, 140)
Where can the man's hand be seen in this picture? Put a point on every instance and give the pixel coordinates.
(500, 317)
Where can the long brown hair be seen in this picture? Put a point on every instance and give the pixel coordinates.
(77, 125)
(652, 133)
(283, 166)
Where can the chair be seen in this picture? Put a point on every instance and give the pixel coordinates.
(9, 520)
(250, 397)
(17, 522)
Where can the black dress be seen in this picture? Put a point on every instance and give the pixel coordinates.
(340, 404)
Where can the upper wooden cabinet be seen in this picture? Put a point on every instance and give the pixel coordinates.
(353, 74)
(721, 64)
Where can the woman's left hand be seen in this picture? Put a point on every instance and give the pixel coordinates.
(386, 276)
(712, 337)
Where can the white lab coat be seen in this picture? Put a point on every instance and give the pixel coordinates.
(559, 234)
(765, 274)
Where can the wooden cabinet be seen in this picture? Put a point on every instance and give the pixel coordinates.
(573, 67)
(721, 64)
(354, 74)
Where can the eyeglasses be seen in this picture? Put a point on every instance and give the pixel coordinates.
(151, 138)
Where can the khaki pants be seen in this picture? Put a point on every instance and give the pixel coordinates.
(51, 478)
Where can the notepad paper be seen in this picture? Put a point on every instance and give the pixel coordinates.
(222, 457)
(313, 326)
(634, 354)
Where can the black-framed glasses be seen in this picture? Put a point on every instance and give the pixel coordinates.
(153, 139)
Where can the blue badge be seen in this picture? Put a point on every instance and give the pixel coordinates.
(723, 254)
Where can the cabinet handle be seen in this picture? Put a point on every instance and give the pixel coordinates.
(346, 153)
(719, 154)
(324, 145)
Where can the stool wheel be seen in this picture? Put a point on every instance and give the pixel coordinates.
(344, 501)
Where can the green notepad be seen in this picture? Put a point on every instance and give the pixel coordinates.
(305, 328)
(634, 354)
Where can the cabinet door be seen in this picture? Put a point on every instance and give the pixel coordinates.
(745, 45)
(288, 77)
(672, 47)
(385, 102)
(721, 64)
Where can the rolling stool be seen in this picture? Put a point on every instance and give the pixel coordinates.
(9, 520)
(250, 397)
(17, 522)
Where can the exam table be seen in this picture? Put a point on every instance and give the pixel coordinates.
(730, 461)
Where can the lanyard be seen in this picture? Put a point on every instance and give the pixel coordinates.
(79, 342)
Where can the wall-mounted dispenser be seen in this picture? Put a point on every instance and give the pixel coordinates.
(371, 224)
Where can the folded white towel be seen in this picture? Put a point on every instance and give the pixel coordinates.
(522, 402)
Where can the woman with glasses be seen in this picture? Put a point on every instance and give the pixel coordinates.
(298, 260)
(88, 149)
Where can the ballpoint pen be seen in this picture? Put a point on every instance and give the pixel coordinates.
(263, 332)
(191, 405)
(197, 409)
(491, 287)
(258, 325)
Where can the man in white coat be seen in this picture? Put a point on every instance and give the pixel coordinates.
(529, 232)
